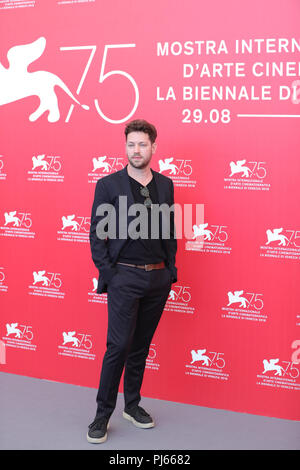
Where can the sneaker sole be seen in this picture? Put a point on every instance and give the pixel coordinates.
(136, 423)
(97, 440)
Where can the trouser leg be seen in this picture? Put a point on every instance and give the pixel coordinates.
(135, 303)
(122, 314)
(148, 316)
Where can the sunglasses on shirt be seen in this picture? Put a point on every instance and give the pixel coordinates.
(145, 193)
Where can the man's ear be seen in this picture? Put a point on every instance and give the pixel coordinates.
(154, 147)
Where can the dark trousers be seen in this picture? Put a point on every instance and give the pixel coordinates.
(136, 299)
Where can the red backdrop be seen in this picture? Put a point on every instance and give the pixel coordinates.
(220, 80)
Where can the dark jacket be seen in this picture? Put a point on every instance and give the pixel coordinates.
(105, 252)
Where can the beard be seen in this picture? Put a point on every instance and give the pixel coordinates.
(141, 163)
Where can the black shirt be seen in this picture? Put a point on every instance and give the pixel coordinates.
(143, 251)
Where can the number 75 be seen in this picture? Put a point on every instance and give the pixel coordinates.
(103, 77)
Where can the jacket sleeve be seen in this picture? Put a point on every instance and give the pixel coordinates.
(99, 249)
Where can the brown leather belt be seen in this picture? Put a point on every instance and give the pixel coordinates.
(146, 267)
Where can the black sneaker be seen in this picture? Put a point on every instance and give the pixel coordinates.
(97, 432)
(139, 417)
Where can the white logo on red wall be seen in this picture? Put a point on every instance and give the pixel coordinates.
(250, 176)
(3, 285)
(209, 239)
(152, 360)
(103, 166)
(180, 299)
(3, 175)
(73, 2)
(46, 284)
(279, 374)
(243, 305)
(74, 229)
(93, 297)
(179, 169)
(19, 336)
(9, 4)
(281, 243)
(76, 345)
(46, 168)
(210, 364)
(17, 83)
(17, 224)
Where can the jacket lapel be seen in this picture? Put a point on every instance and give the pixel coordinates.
(125, 186)
(159, 186)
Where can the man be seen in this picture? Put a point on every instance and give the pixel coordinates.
(136, 271)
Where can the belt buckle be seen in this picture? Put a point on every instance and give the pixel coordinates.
(148, 267)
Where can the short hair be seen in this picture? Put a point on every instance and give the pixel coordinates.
(140, 125)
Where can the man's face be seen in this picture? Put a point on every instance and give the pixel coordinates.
(139, 149)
